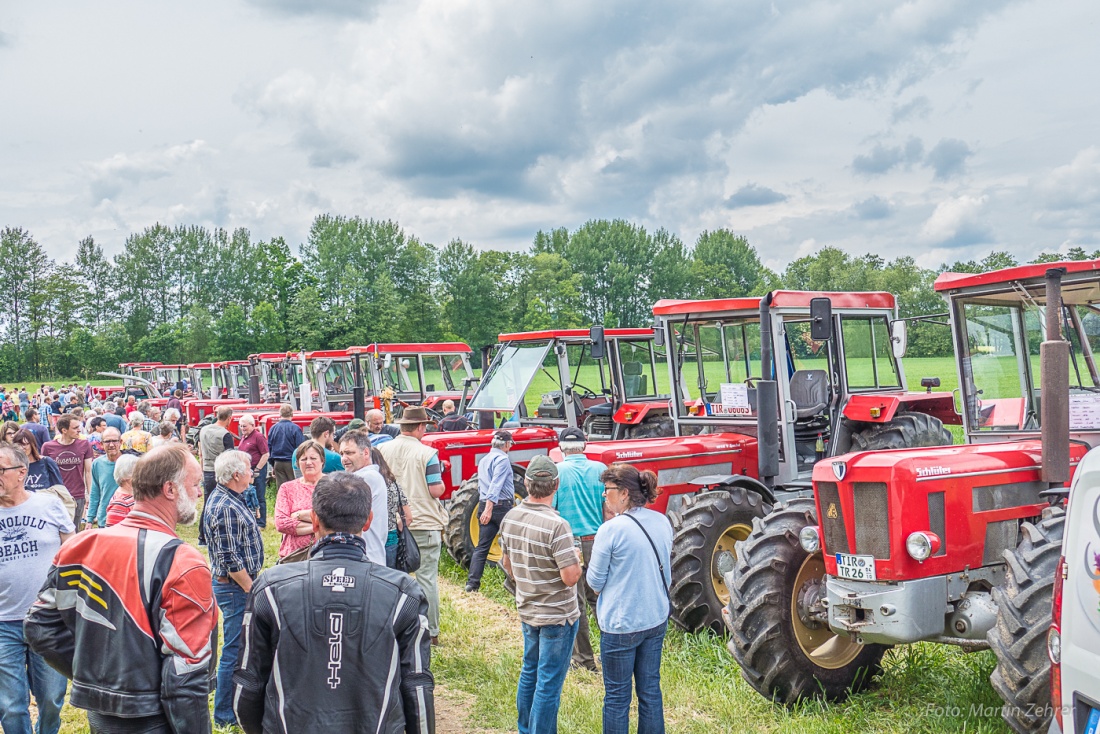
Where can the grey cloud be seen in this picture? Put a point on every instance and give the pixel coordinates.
(968, 235)
(333, 8)
(883, 159)
(5, 40)
(754, 195)
(500, 107)
(916, 108)
(109, 177)
(948, 158)
(873, 208)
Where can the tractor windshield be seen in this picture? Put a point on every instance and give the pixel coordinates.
(642, 378)
(509, 376)
(718, 360)
(401, 372)
(337, 376)
(1000, 361)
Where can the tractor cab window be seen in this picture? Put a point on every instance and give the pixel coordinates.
(444, 372)
(1001, 369)
(511, 373)
(402, 373)
(718, 363)
(641, 364)
(868, 357)
(338, 378)
(241, 379)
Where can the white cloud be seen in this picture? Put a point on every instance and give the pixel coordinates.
(108, 178)
(957, 222)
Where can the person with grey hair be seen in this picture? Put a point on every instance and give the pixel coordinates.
(122, 501)
(579, 500)
(379, 432)
(36, 524)
(236, 558)
(496, 496)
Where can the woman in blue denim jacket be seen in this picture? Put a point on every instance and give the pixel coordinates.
(630, 572)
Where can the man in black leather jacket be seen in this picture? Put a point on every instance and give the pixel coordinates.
(336, 643)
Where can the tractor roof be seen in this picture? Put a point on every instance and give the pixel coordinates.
(412, 348)
(327, 354)
(780, 299)
(171, 366)
(574, 334)
(958, 281)
(269, 356)
(201, 365)
(140, 364)
(231, 361)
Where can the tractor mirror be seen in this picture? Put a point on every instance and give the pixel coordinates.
(821, 319)
(386, 361)
(899, 338)
(598, 349)
(658, 333)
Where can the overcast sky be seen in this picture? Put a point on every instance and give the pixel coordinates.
(941, 129)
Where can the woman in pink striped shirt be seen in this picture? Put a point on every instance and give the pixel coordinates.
(294, 505)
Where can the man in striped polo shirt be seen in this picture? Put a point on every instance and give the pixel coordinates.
(540, 556)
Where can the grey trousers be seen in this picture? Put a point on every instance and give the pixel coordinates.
(586, 599)
(430, 543)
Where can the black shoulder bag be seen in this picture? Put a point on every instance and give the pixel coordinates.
(660, 565)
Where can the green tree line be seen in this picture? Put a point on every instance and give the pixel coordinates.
(187, 294)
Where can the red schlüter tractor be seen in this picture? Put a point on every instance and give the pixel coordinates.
(759, 377)
(953, 544)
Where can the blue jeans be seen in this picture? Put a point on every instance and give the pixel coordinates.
(21, 673)
(231, 600)
(259, 496)
(637, 656)
(546, 653)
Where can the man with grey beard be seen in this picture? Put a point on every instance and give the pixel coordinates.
(138, 647)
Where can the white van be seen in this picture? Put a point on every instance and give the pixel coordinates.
(1074, 638)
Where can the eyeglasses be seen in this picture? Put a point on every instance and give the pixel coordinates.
(4, 469)
(108, 443)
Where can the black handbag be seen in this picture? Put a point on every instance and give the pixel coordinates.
(408, 552)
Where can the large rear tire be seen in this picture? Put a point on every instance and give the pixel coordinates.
(779, 635)
(905, 431)
(463, 530)
(703, 549)
(1022, 675)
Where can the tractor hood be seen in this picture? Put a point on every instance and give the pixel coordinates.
(971, 497)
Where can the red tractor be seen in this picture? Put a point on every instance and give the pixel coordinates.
(953, 544)
(758, 375)
(581, 377)
(412, 374)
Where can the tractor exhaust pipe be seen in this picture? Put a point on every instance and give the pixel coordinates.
(767, 402)
(1054, 364)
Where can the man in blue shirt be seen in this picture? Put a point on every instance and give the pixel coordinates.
(282, 440)
(579, 500)
(41, 433)
(496, 496)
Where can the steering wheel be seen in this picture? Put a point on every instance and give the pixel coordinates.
(588, 394)
(750, 380)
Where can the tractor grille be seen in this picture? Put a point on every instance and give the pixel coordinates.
(936, 522)
(832, 520)
(1000, 496)
(872, 519)
(999, 537)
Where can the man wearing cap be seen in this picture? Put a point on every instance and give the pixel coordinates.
(418, 472)
(539, 554)
(496, 496)
(579, 500)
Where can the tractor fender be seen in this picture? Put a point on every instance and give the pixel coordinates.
(631, 414)
(737, 480)
(881, 408)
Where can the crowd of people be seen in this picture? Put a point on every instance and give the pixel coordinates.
(337, 636)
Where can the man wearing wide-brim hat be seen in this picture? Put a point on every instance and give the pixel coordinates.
(419, 472)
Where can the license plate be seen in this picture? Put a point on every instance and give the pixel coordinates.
(1094, 722)
(857, 568)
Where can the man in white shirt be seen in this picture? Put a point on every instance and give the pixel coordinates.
(355, 452)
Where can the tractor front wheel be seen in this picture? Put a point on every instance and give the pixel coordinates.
(905, 431)
(463, 528)
(1022, 675)
(780, 632)
(710, 525)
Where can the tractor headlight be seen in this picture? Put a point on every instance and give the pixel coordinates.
(1054, 646)
(810, 538)
(921, 545)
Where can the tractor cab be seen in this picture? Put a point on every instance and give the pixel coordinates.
(233, 377)
(270, 368)
(144, 370)
(413, 374)
(575, 378)
(834, 356)
(167, 376)
(205, 380)
(321, 380)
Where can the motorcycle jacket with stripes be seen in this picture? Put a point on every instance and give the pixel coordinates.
(335, 643)
(128, 614)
